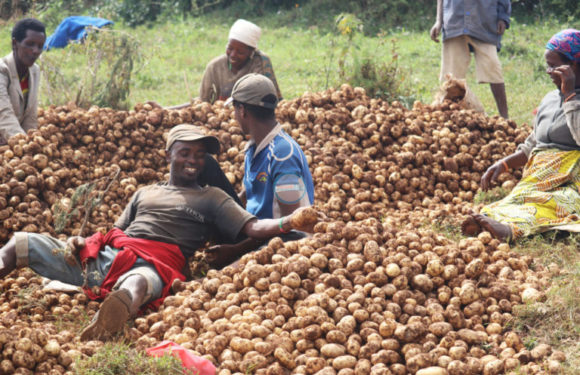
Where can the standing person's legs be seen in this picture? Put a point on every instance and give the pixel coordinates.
(488, 70)
(455, 57)
(498, 91)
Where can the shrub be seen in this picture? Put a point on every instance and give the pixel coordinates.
(104, 64)
(361, 65)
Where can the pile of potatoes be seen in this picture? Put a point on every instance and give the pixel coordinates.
(34, 327)
(359, 298)
(375, 290)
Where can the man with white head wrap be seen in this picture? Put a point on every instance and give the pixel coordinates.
(242, 57)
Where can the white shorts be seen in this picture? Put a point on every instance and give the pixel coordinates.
(456, 56)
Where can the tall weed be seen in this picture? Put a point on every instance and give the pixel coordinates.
(97, 71)
(359, 64)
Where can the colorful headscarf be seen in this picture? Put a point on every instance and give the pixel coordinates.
(567, 42)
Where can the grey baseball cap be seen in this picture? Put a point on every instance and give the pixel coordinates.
(188, 132)
(254, 89)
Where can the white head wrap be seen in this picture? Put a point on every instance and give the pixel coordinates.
(246, 32)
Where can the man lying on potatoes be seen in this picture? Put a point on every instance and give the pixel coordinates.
(135, 263)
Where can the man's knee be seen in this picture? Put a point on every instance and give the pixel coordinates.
(134, 282)
(144, 282)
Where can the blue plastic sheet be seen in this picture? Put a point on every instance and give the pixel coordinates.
(73, 28)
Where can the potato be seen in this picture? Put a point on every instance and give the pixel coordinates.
(241, 345)
(326, 371)
(494, 367)
(332, 350)
(440, 329)
(23, 359)
(343, 362)
(541, 351)
(285, 358)
(457, 367)
(410, 332)
(314, 364)
(434, 370)
(472, 337)
(6, 367)
(387, 328)
(304, 219)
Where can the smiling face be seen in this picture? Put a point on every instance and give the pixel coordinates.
(186, 160)
(238, 53)
(27, 51)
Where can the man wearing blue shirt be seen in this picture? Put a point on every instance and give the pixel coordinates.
(277, 179)
(474, 26)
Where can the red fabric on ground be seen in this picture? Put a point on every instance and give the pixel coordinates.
(166, 258)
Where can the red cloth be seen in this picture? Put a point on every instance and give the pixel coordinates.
(189, 361)
(167, 259)
(24, 82)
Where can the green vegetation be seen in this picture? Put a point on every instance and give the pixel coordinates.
(555, 320)
(307, 59)
(490, 196)
(117, 358)
(96, 72)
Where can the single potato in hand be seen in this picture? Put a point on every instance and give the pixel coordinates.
(304, 219)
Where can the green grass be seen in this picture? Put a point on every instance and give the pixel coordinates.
(177, 52)
(116, 358)
(490, 196)
(555, 321)
(301, 58)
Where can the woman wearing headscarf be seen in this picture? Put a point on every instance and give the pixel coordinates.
(20, 78)
(547, 197)
(242, 57)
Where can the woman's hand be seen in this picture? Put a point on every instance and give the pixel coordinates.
(492, 174)
(567, 79)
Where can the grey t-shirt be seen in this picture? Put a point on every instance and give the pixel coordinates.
(183, 216)
(557, 124)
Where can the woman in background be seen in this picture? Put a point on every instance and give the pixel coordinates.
(548, 196)
(242, 57)
(20, 78)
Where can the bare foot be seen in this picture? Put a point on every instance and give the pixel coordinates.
(498, 230)
(470, 226)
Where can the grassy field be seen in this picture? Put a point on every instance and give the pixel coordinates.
(305, 59)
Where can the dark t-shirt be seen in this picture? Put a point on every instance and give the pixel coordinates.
(212, 175)
(183, 216)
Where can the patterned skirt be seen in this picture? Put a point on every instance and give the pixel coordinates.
(547, 196)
